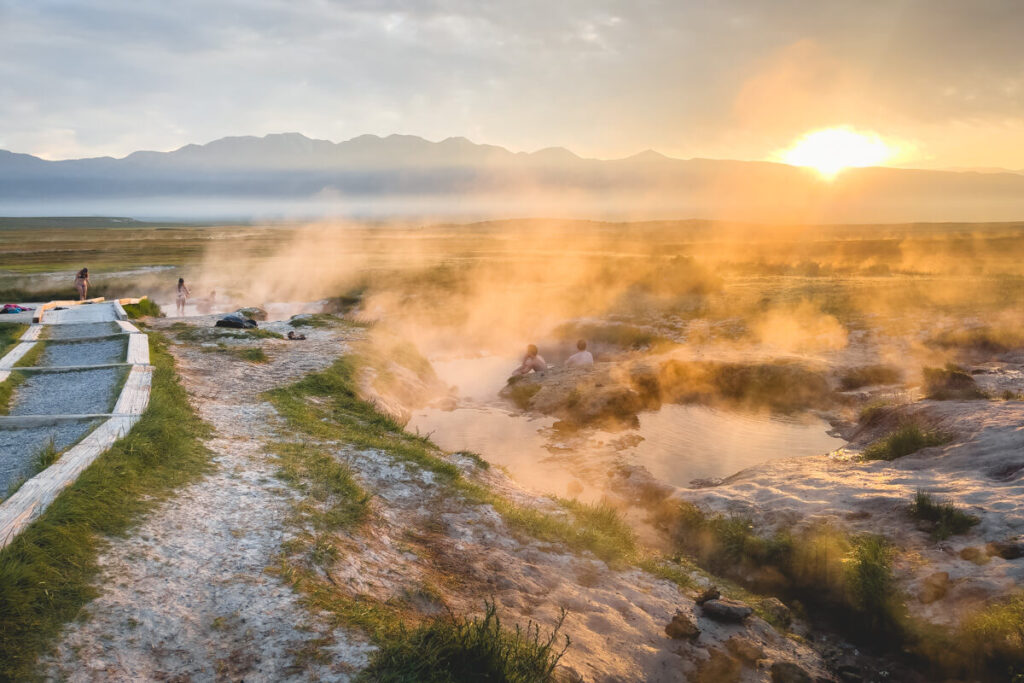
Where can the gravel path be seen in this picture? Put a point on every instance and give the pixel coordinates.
(102, 352)
(80, 330)
(16, 443)
(75, 392)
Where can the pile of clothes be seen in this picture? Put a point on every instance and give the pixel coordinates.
(15, 308)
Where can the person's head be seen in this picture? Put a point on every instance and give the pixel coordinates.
(581, 345)
(181, 280)
(531, 350)
(83, 271)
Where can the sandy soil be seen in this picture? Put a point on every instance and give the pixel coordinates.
(186, 595)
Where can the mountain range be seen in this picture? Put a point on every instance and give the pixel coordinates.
(290, 174)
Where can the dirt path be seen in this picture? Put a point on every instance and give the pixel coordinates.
(185, 596)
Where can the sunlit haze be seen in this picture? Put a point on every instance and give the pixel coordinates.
(605, 79)
(831, 150)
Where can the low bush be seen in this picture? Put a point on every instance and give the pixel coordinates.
(944, 518)
(451, 649)
(869, 375)
(908, 439)
(950, 383)
(779, 386)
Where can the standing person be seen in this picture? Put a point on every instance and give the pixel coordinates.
(82, 283)
(183, 295)
(532, 361)
(582, 357)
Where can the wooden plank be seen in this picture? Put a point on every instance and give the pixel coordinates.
(125, 302)
(135, 394)
(23, 421)
(18, 511)
(15, 354)
(70, 368)
(32, 333)
(127, 327)
(21, 509)
(138, 349)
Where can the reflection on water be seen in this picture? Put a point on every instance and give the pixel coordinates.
(676, 444)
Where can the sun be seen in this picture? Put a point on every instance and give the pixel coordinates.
(830, 150)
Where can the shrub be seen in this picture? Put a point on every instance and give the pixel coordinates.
(945, 518)
(908, 439)
(869, 375)
(450, 649)
(950, 382)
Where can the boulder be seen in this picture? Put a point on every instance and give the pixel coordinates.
(724, 609)
(682, 626)
(710, 593)
(975, 555)
(745, 649)
(720, 667)
(776, 612)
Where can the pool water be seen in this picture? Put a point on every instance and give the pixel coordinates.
(676, 444)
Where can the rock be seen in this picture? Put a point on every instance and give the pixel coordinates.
(776, 612)
(789, 672)
(682, 626)
(975, 555)
(934, 587)
(720, 667)
(710, 593)
(1008, 550)
(567, 674)
(724, 609)
(744, 649)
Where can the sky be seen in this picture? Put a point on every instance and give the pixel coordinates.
(941, 81)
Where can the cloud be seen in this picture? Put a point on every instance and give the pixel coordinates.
(603, 77)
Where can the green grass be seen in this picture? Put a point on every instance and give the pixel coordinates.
(842, 577)
(10, 333)
(187, 333)
(255, 355)
(453, 649)
(7, 388)
(340, 502)
(869, 375)
(908, 439)
(46, 573)
(317, 320)
(30, 359)
(945, 518)
(146, 308)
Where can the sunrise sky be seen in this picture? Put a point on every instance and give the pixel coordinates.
(939, 82)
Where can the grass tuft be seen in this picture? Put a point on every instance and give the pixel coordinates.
(950, 383)
(10, 333)
(146, 308)
(908, 439)
(46, 573)
(945, 518)
(451, 648)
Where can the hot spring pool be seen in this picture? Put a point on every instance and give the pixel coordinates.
(677, 444)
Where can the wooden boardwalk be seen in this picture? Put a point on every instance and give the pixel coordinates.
(18, 511)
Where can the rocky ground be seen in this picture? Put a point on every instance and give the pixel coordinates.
(187, 594)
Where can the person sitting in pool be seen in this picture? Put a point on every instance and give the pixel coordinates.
(532, 362)
(582, 357)
(82, 283)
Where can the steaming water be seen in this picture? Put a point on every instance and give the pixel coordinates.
(676, 444)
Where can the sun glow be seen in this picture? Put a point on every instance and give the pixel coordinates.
(830, 150)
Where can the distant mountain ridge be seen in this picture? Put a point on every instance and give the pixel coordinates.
(292, 170)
